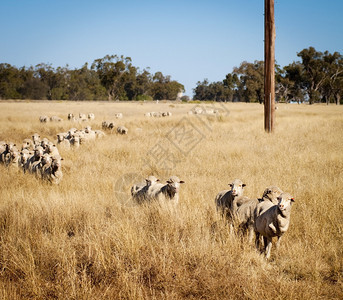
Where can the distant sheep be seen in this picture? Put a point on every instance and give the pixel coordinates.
(44, 119)
(55, 119)
(91, 116)
(272, 221)
(122, 130)
(118, 115)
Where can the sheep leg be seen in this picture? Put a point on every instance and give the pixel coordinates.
(278, 242)
(268, 247)
(257, 240)
(251, 234)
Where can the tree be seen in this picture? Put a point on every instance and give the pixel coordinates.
(251, 81)
(10, 82)
(110, 70)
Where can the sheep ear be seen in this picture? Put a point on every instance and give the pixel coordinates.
(181, 181)
(168, 181)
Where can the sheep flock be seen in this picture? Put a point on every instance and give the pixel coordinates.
(263, 217)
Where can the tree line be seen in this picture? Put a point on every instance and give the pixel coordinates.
(109, 78)
(316, 78)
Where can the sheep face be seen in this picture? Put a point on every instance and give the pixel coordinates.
(237, 187)
(174, 183)
(285, 201)
(151, 180)
(272, 193)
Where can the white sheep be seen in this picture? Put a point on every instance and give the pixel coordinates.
(272, 221)
(53, 171)
(27, 144)
(244, 216)
(139, 190)
(62, 140)
(122, 130)
(99, 134)
(226, 200)
(91, 116)
(71, 116)
(165, 193)
(118, 115)
(82, 117)
(55, 119)
(36, 139)
(44, 119)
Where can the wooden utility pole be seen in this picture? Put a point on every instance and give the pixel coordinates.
(269, 65)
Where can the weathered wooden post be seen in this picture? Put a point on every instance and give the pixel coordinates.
(269, 65)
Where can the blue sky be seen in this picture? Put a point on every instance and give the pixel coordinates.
(189, 40)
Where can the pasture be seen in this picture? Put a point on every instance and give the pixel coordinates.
(86, 239)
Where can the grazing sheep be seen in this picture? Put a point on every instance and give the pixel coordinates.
(165, 193)
(82, 117)
(108, 125)
(122, 130)
(91, 116)
(44, 119)
(99, 134)
(244, 216)
(272, 221)
(148, 114)
(226, 201)
(55, 119)
(3, 151)
(139, 191)
(44, 143)
(71, 117)
(118, 115)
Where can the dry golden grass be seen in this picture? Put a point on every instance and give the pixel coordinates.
(85, 239)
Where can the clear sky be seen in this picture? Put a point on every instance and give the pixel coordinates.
(190, 40)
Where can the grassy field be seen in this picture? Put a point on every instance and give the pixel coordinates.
(86, 239)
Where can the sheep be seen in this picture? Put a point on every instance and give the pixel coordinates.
(44, 143)
(272, 221)
(244, 216)
(118, 115)
(91, 116)
(13, 158)
(38, 153)
(3, 151)
(148, 114)
(62, 140)
(271, 194)
(7, 151)
(225, 200)
(165, 193)
(89, 133)
(52, 150)
(82, 117)
(36, 139)
(139, 191)
(52, 171)
(108, 125)
(122, 130)
(99, 134)
(27, 144)
(71, 116)
(55, 119)
(44, 119)
(75, 141)
(25, 154)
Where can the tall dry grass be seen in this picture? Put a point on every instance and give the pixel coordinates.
(85, 239)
